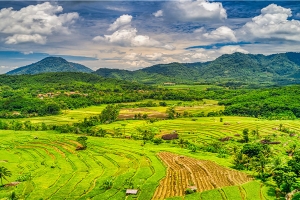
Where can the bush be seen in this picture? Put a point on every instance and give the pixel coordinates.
(157, 141)
(189, 191)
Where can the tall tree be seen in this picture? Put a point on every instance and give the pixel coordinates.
(109, 114)
(246, 135)
(171, 112)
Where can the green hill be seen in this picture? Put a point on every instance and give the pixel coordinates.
(50, 64)
(278, 69)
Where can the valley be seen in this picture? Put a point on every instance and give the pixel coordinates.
(122, 159)
(73, 135)
(149, 100)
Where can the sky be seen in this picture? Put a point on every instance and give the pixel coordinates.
(136, 34)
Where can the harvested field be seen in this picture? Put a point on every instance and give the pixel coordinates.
(205, 175)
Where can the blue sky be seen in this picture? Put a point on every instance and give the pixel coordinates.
(136, 34)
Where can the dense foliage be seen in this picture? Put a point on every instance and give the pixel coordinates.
(271, 103)
(49, 93)
(50, 64)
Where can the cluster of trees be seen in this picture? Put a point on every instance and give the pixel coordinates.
(50, 93)
(270, 103)
(108, 115)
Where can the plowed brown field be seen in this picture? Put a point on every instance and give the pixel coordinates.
(183, 172)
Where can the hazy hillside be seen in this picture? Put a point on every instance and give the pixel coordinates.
(50, 64)
(248, 68)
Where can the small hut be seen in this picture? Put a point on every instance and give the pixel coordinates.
(193, 188)
(131, 191)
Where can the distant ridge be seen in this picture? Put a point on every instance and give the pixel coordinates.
(276, 69)
(50, 64)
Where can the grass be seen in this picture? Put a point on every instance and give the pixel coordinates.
(232, 192)
(253, 190)
(72, 116)
(190, 87)
(211, 194)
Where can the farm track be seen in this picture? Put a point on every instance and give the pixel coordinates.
(183, 172)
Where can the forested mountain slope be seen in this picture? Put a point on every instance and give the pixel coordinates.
(278, 69)
(50, 64)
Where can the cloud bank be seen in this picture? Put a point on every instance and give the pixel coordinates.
(191, 10)
(127, 36)
(34, 23)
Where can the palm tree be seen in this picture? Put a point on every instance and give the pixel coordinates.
(4, 172)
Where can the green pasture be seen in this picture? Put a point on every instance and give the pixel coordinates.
(68, 116)
(189, 87)
(72, 116)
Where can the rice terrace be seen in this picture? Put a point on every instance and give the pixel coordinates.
(150, 100)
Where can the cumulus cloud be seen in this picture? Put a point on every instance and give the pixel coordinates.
(195, 10)
(127, 36)
(34, 23)
(222, 33)
(271, 24)
(203, 55)
(121, 21)
(140, 60)
(159, 13)
(232, 49)
(20, 38)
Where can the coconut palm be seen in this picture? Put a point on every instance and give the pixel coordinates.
(4, 172)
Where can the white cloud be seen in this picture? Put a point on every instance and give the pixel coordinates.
(191, 10)
(19, 38)
(121, 21)
(159, 13)
(34, 23)
(232, 49)
(169, 47)
(203, 55)
(222, 33)
(127, 36)
(140, 60)
(271, 24)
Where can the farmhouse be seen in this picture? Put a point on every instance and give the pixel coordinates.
(131, 191)
(193, 188)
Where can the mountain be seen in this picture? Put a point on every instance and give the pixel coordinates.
(281, 69)
(50, 64)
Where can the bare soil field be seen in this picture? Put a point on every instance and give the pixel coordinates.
(184, 172)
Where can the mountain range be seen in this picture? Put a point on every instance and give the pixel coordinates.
(283, 68)
(276, 69)
(50, 64)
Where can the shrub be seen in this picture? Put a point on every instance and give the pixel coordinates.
(189, 191)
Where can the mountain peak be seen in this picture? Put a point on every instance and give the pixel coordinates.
(50, 64)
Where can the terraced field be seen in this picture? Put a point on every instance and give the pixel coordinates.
(252, 190)
(205, 130)
(57, 171)
(184, 172)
